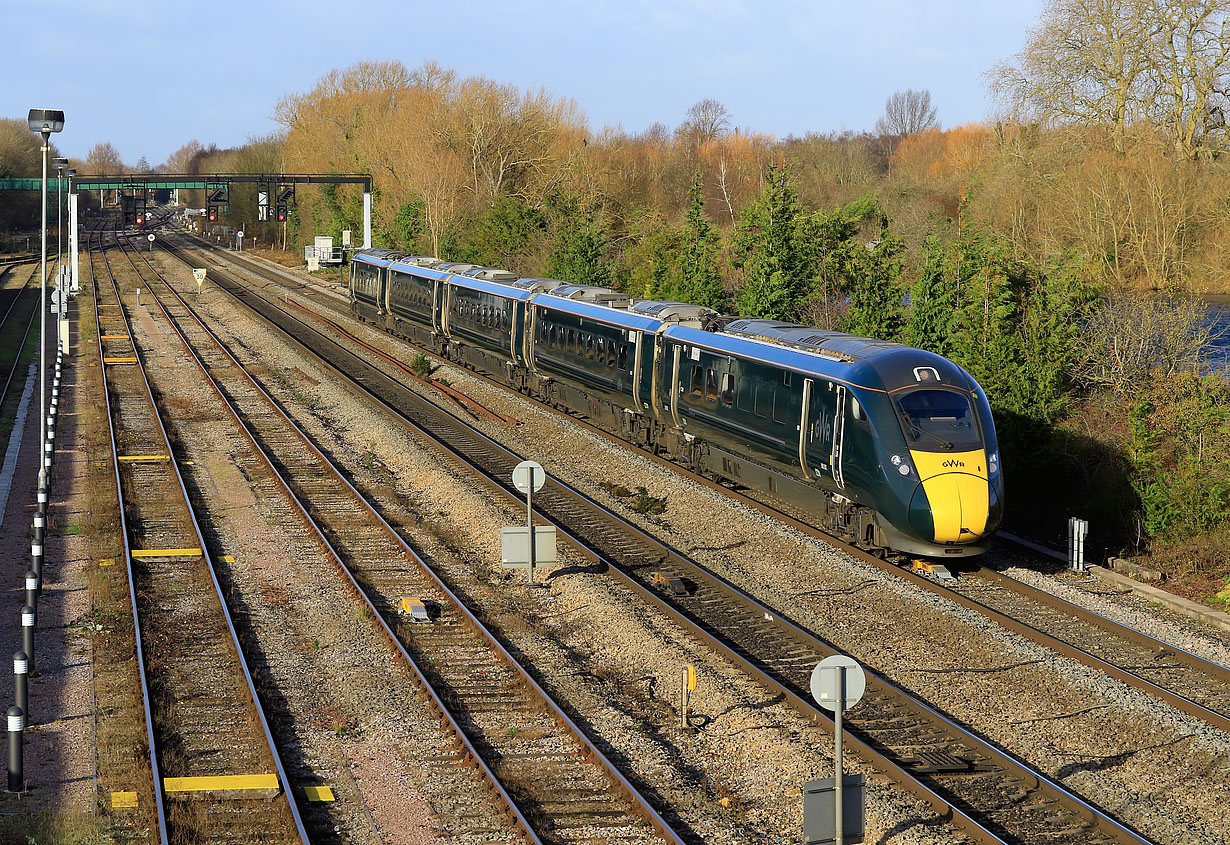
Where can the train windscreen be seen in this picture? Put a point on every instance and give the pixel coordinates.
(939, 420)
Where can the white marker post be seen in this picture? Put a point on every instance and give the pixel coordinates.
(528, 477)
(838, 682)
(151, 241)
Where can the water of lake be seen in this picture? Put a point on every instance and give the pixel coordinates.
(1219, 319)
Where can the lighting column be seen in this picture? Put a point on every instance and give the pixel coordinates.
(44, 122)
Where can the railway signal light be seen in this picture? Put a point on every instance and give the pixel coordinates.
(140, 219)
(286, 197)
(213, 214)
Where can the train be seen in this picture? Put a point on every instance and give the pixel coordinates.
(888, 447)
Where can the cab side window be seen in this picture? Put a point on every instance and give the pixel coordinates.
(711, 384)
(698, 380)
(728, 389)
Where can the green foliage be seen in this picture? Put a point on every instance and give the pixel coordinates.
(872, 274)
(1179, 437)
(770, 245)
(421, 366)
(503, 236)
(410, 223)
(581, 241)
(700, 277)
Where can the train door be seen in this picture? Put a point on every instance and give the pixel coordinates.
(839, 437)
(657, 392)
(807, 429)
(635, 338)
(528, 338)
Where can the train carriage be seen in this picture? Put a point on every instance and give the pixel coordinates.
(894, 447)
(411, 294)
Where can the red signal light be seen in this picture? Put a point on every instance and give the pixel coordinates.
(213, 215)
(140, 220)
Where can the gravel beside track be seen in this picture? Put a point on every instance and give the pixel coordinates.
(204, 719)
(1151, 767)
(556, 782)
(617, 664)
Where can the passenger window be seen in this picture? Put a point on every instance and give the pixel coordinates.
(572, 340)
(786, 377)
(698, 375)
(589, 347)
(601, 350)
(623, 356)
(710, 384)
(550, 342)
(728, 389)
(764, 400)
(781, 407)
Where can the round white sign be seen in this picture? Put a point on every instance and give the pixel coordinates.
(527, 473)
(150, 236)
(824, 680)
(239, 234)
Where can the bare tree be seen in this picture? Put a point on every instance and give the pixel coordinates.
(907, 112)
(1114, 62)
(103, 160)
(706, 121)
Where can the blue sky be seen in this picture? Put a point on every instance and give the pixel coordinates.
(214, 70)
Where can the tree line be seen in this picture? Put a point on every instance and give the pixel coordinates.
(1052, 250)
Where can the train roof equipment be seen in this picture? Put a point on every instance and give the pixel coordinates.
(683, 313)
(537, 284)
(838, 346)
(491, 274)
(592, 293)
(420, 260)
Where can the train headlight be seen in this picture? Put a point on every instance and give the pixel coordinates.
(896, 459)
(904, 469)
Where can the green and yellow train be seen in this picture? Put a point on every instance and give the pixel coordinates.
(892, 447)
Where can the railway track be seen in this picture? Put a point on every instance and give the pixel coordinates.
(1189, 683)
(555, 783)
(217, 776)
(13, 335)
(987, 793)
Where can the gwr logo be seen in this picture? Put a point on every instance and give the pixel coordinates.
(952, 462)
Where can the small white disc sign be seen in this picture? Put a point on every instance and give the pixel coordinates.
(824, 680)
(524, 472)
(239, 234)
(150, 236)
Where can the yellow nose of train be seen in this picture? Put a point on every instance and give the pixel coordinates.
(955, 490)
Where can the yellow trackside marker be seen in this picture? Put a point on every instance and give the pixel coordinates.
(166, 552)
(119, 360)
(107, 305)
(318, 793)
(123, 800)
(145, 457)
(114, 337)
(107, 561)
(215, 783)
(227, 558)
(188, 463)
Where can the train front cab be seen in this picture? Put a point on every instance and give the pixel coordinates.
(954, 485)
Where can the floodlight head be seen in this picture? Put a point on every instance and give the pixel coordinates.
(59, 163)
(46, 121)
